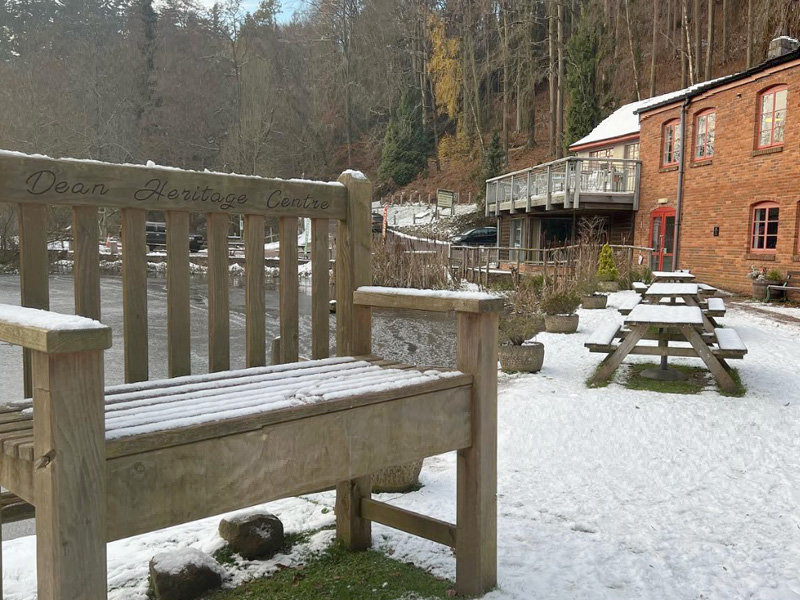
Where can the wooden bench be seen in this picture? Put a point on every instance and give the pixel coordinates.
(639, 286)
(100, 464)
(602, 338)
(729, 344)
(791, 277)
(628, 306)
(715, 307)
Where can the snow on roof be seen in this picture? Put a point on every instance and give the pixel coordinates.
(625, 120)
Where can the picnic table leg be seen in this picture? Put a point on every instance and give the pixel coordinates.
(613, 360)
(714, 364)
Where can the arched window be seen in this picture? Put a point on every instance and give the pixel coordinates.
(764, 234)
(704, 125)
(671, 146)
(771, 117)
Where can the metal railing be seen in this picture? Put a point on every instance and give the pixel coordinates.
(563, 181)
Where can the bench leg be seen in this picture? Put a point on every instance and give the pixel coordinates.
(476, 520)
(613, 360)
(69, 476)
(714, 365)
(354, 531)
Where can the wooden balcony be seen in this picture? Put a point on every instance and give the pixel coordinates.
(567, 183)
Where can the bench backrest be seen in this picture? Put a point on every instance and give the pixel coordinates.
(33, 183)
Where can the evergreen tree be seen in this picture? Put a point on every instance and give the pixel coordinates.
(607, 268)
(405, 146)
(494, 159)
(587, 93)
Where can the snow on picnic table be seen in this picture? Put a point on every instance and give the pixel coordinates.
(603, 493)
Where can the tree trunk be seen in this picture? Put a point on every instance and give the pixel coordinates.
(749, 33)
(710, 41)
(551, 48)
(654, 50)
(698, 22)
(560, 89)
(688, 39)
(724, 31)
(617, 35)
(504, 34)
(633, 54)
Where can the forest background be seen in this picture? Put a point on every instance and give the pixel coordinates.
(409, 91)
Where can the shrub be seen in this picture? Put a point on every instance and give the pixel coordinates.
(774, 275)
(607, 269)
(517, 328)
(563, 302)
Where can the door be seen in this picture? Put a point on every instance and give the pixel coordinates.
(516, 239)
(662, 238)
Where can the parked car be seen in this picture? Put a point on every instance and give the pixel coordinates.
(377, 222)
(480, 236)
(157, 237)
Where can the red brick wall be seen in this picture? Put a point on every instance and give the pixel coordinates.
(722, 192)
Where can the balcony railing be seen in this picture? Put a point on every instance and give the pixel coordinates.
(566, 183)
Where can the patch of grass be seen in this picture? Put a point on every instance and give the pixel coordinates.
(340, 574)
(740, 391)
(226, 555)
(698, 379)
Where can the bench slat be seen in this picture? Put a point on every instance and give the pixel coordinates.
(604, 334)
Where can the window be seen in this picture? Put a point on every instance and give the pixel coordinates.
(671, 152)
(772, 117)
(765, 227)
(605, 153)
(704, 135)
(632, 151)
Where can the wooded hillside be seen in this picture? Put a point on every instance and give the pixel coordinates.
(124, 81)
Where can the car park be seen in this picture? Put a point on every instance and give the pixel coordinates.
(156, 234)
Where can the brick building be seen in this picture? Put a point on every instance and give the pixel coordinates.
(737, 182)
(726, 200)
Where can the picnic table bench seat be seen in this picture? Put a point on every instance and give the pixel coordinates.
(715, 307)
(603, 337)
(639, 286)
(729, 344)
(627, 306)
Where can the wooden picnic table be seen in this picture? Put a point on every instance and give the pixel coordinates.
(672, 276)
(689, 294)
(675, 323)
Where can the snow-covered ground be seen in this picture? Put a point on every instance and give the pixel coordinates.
(604, 493)
(403, 215)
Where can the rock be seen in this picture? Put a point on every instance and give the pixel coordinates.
(402, 478)
(253, 536)
(184, 574)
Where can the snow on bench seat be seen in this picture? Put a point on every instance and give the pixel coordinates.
(729, 340)
(294, 390)
(627, 306)
(639, 286)
(716, 305)
(603, 335)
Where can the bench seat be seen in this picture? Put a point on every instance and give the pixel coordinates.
(161, 413)
(639, 286)
(729, 344)
(626, 308)
(603, 337)
(715, 307)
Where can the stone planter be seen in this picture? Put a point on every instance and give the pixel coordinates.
(561, 323)
(526, 359)
(594, 301)
(402, 478)
(608, 286)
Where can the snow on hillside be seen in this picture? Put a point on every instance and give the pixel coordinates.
(404, 215)
(604, 493)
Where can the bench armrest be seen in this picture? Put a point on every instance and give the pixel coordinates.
(52, 333)
(428, 300)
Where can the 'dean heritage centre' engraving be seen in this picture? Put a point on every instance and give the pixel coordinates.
(156, 189)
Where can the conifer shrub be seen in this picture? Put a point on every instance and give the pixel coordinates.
(607, 268)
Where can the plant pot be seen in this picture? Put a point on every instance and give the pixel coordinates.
(608, 286)
(527, 359)
(561, 323)
(594, 301)
(402, 478)
(760, 288)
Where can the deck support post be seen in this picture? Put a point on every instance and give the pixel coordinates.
(476, 523)
(69, 475)
(353, 336)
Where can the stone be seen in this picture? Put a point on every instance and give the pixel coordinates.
(401, 478)
(184, 574)
(256, 536)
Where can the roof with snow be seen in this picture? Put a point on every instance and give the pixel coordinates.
(625, 120)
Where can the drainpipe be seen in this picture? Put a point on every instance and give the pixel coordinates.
(679, 196)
